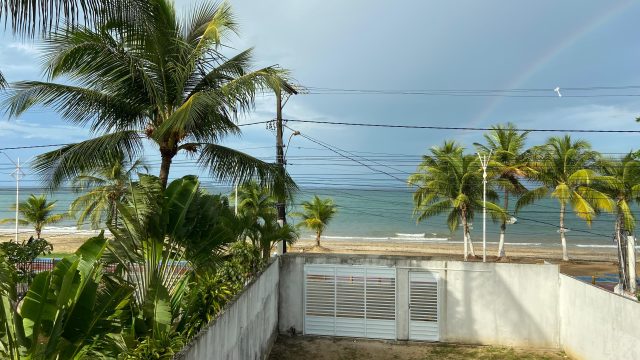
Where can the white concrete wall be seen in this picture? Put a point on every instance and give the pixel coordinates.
(596, 324)
(501, 304)
(246, 329)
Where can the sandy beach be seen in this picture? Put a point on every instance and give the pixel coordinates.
(584, 261)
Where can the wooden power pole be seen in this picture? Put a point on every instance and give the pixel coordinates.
(280, 205)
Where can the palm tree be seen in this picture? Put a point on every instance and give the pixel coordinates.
(36, 211)
(258, 218)
(3, 81)
(105, 188)
(621, 182)
(152, 77)
(509, 164)
(255, 201)
(448, 181)
(316, 215)
(565, 168)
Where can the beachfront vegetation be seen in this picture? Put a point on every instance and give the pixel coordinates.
(508, 166)
(104, 188)
(174, 261)
(36, 211)
(450, 182)
(316, 215)
(22, 254)
(258, 218)
(566, 169)
(621, 183)
(156, 76)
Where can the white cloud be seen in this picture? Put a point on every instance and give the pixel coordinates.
(25, 48)
(33, 131)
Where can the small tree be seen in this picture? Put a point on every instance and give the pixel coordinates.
(316, 215)
(38, 212)
(104, 188)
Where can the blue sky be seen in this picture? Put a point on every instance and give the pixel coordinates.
(407, 45)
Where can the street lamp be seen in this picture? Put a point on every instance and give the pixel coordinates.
(17, 174)
(484, 161)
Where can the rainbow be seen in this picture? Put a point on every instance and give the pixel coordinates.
(539, 63)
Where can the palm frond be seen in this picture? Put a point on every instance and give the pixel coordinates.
(69, 161)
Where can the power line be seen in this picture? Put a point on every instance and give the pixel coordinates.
(429, 127)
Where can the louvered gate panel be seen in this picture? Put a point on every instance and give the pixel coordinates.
(320, 311)
(350, 320)
(381, 303)
(353, 301)
(423, 306)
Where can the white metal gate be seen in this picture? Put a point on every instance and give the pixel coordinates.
(354, 301)
(424, 306)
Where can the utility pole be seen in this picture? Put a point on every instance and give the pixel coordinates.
(280, 205)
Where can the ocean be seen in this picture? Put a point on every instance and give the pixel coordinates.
(385, 214)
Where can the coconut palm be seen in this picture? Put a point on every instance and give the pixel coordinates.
(565, 168)
(316, 214)
(508, 164)
(448, 181)
(621, 182)
(105, 188)
(255, 201)
(151, 77)
(38, 212)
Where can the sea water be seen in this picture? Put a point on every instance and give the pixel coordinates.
(386, 215)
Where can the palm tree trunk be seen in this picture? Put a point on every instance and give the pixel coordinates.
(463, 216)
(563, 239)
(503, 227)
(318, 238)
(621, 252)
(471, 251)
(167, 155)
(38, 232)
(265, 251)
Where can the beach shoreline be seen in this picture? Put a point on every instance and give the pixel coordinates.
(593, 261)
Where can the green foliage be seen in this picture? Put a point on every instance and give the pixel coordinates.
(67, 308)
(21, 256)
(257, 219)
(36, 211)
(104, 188)
(316, 215)
(152, 75)
(163, 348)
(160, 232)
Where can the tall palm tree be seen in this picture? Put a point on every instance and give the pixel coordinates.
(38, 212)
(621, 182)
(152, 77)
(105, 188)
(565, 168)
(448, 181)
(509, 164)
(316, 214)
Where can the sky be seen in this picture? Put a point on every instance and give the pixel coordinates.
(403, 45)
